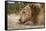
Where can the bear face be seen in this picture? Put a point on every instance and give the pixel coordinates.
(25, 13)
(33, 14)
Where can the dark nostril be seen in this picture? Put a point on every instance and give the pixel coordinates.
(20, 20)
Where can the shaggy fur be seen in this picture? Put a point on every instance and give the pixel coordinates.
(32, 14)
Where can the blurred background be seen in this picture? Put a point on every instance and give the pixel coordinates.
(15, 7)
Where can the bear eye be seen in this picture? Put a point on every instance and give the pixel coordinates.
(23, 12)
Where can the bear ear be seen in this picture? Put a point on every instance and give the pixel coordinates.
(32, 6)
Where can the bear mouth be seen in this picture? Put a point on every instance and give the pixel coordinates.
(26, 22)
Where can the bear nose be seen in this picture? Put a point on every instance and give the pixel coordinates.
(20, 20)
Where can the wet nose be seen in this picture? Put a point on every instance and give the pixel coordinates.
(20, 20)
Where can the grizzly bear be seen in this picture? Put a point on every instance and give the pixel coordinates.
(32, 14)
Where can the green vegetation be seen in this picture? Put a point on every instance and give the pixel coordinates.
(15, 8)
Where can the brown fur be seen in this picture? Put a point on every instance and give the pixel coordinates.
(33, 14)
